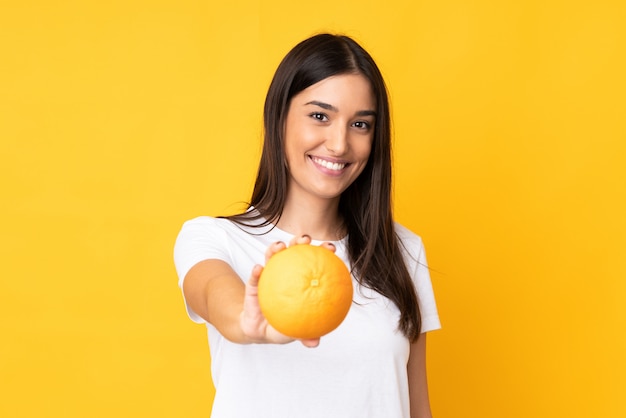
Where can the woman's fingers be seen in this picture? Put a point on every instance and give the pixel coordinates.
(279, 245)
(311, 343)
(297, 240)
(300, 239)
(273, 249)
(329, 246)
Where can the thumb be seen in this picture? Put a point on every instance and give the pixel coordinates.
(311, 343)
(255, 276)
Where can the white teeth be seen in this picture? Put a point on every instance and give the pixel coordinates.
(329, 165)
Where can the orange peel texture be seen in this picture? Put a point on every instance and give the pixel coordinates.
(305, 291)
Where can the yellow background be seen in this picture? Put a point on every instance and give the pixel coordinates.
(121, 119)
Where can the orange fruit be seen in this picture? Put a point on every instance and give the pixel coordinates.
(305, 291)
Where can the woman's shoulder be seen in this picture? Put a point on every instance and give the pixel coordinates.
(249, 218)
(407, 236)
(201, 227)
(243, 227)
(410, 243)
(204, 221)
(206, 224)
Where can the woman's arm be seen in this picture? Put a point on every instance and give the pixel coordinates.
(418, 383)
(216, 293)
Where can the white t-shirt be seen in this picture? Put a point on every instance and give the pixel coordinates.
(358, 370)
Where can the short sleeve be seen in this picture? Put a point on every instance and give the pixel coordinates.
(425, 294)
(415, 257)
(199, 239)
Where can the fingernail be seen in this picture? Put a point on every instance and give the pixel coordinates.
(306, 236)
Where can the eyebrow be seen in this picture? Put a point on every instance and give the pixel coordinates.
(332, 108)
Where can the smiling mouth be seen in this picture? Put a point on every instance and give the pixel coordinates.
(329, 165)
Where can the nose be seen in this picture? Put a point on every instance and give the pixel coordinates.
(337, 140)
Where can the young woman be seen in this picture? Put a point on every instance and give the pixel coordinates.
(324, 179)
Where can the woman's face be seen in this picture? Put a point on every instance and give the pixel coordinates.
(328, 136)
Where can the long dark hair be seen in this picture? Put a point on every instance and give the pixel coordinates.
(365, 207)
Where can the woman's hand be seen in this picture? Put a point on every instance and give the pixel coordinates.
(253, 323)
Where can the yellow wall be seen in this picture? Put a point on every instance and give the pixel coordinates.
(119, 120)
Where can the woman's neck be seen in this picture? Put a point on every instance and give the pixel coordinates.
(319, 220)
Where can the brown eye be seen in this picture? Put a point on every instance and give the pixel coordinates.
(361, 125)
(319, 116)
